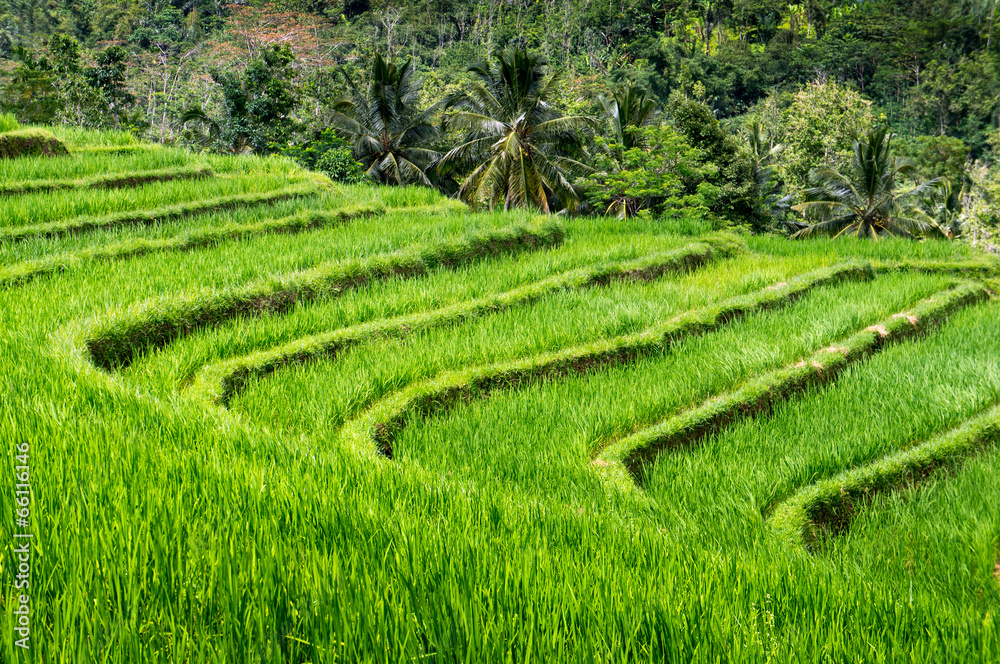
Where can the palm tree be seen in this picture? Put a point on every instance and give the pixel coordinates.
(629, 108)
(383, 124)
(866, 201)
(941, 209)
(763, 151)
(517, 145)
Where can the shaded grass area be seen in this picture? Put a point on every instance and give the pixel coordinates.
(30, 142)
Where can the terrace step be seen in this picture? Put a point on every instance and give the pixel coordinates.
(376, 428)
(218, 383)
(627, 455)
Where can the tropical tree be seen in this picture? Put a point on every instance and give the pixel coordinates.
(866, 200)
(652, 177)
(764, 150)
(386, 129)
(258, 106)
(629, 109)
(941, 209)
(519, 148)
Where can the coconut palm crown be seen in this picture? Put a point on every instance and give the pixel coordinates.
(867, 199)
(517, 145)
(630, 107)
(386, 129)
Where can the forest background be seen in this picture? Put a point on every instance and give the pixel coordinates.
(807, 76)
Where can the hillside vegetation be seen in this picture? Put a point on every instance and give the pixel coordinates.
(742, 102)
(272, 418)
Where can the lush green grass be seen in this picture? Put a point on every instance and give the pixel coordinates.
(948, 522)
(168, 529)
(84, 165)
(396, 297)
(8, 122)
(21, 213)
(585, 413)
(759, 395)
(108, 181)
(175, 229)
(907, 394)
(219, 383)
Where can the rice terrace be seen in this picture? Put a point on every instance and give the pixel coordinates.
(269, 418)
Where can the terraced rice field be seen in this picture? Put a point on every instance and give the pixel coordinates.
(270, 419)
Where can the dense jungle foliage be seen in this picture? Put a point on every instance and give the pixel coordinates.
(750, 96)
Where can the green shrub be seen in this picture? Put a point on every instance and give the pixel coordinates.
(30, 143)
(340, 165)
(331, 155)
(8, 122)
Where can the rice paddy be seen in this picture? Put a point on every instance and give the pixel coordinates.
(273, 419)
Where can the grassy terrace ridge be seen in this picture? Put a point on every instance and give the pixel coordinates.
(377, 427)
(86, 165)
(166, 213)
(112, 344)
(827, 507)
(204, 396)
(217, 383)
(30, 142)
(109, 181)
(759, 395)
(21, 273)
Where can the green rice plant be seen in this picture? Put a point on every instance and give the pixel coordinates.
(939, 528)
(540, 441)
(625, 458)
(108, 181)
(905, 394)
(378, 426)
(21, 273)
(156, 215)
(168, 531)
(589, 245)
(219, 382)
(327, 198)
(113, 343)
(81, 138)
(564, 319)
(8, 123)
(62, 206)
(828, 506)
(83, 166)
